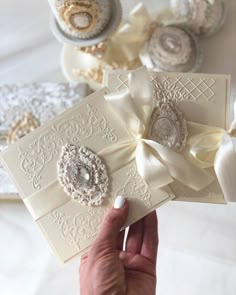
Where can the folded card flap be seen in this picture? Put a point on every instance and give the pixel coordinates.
(204, 98)
(32, 161)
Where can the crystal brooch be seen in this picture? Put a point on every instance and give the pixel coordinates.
(83, 175)
(168, 127)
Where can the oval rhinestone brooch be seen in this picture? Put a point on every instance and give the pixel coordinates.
(168, 127)
(83, 175)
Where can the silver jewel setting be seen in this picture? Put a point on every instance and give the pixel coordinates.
(83, 175)
(168, 127)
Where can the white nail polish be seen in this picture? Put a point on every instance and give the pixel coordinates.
(119, 202)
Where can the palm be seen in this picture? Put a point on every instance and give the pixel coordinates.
(124, 269)
(139, 257)
(139, 282)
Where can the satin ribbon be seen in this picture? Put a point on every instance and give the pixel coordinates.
(232, 130)
(213, 147)
(207, 147)
(131, 36)
(159, 166)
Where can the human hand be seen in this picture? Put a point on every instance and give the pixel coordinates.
(107, 270)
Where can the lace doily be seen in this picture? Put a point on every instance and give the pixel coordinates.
(202, 16)
(83, 19)
(83, 175)
(42, 100)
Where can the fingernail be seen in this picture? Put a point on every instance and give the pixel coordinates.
(122, 255)
(119, 202)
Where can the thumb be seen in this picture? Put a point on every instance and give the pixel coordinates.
(113, 223)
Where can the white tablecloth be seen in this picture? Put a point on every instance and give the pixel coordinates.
(197, 253)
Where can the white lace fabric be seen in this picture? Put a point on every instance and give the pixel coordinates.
(43, 100)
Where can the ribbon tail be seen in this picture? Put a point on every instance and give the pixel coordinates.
(232, 130)
(182, 170)
(150, 168)
(225, 168)
(131, 36)
(204, 148)
(118, 156)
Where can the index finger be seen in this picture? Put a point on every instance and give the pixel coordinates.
(150, 237)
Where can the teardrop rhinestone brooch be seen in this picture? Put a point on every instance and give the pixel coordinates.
(83, 175)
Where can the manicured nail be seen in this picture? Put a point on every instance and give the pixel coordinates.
(119, 202)
(122, 255)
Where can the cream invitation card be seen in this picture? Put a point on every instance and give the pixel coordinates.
(70, 226)
(148, 144)
(203, 99)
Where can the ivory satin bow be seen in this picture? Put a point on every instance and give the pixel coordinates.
(159, 165)
(131, 36)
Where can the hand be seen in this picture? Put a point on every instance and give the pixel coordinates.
(107, 270)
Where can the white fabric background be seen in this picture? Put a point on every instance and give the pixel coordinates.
(197, 253)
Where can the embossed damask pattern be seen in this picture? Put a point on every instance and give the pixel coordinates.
(75, 229)
(135, 187)
(78, 228)
(48, 145)
(82, 226)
